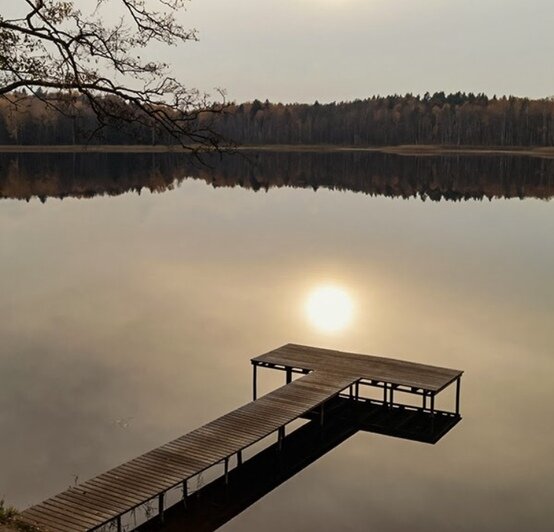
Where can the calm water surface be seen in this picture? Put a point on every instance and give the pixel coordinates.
(127, 321)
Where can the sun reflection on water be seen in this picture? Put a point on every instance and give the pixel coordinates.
(329, 308)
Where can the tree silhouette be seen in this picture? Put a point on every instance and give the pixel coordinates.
(69, 58)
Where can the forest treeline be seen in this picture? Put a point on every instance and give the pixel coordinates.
(454, 120)
(82, 175)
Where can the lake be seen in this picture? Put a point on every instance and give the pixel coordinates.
(129, 319)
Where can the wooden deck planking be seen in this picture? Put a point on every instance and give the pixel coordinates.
(67, 512)
(103, 491)
(124, 487)
(68, 516)
(43, 519)
(100, 504)
(184, 466)
(411, 374)
(93, 505)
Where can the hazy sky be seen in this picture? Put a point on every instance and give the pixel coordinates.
(302, 50)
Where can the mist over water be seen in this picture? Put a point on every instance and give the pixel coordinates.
(127, 320)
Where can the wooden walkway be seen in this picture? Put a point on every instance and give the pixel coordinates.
(399, 373)
(106, 498)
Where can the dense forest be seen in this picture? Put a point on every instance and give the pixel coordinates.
(80, 175)
(454, 120)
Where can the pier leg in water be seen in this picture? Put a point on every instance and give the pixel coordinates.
(432, 413)
(185, 493)
(458, 384)
(254, 382)
(161, 506)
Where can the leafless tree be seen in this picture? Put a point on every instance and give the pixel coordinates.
(70, 58)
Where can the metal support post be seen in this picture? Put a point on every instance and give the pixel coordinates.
(119, 527)
(185, 492)
(357, 390)
(289, 375)
(432, 412)
(280, 437)
(226, 471)
(239, 458)
(254, 382)
(458, 383)
(161, 506)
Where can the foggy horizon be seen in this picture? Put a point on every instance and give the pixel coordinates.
(342, 50)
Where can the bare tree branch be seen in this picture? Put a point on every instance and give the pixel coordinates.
(53, 45)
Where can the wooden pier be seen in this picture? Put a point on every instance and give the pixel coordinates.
(327, 377)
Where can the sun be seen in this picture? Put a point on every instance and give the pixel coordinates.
(329, 308)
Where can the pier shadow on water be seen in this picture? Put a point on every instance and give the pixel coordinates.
(213, 505)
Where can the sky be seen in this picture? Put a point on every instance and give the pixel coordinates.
(333, 50)
(336, 50)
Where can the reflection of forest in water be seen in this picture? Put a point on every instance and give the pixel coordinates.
(450, 177)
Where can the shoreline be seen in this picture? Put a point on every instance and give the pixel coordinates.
(408, 150)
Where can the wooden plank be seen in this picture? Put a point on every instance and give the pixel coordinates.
(86, 504)
(263, 409)
(40, 524)
(116, 482)
(147, 473)
(205, 456)
(98, 506)
(103, 492)
(160, 466)
(150, 471)
(218, 438)
(235, 433)
(341, 361)
(264, 416)
(55, 522)
(112, 492)
(96, 483)
(153, 469)
(76, 514)
(157, 466)
(430, 378)
(133, 481)
(189, 464)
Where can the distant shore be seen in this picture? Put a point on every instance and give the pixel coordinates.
(430, 150)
